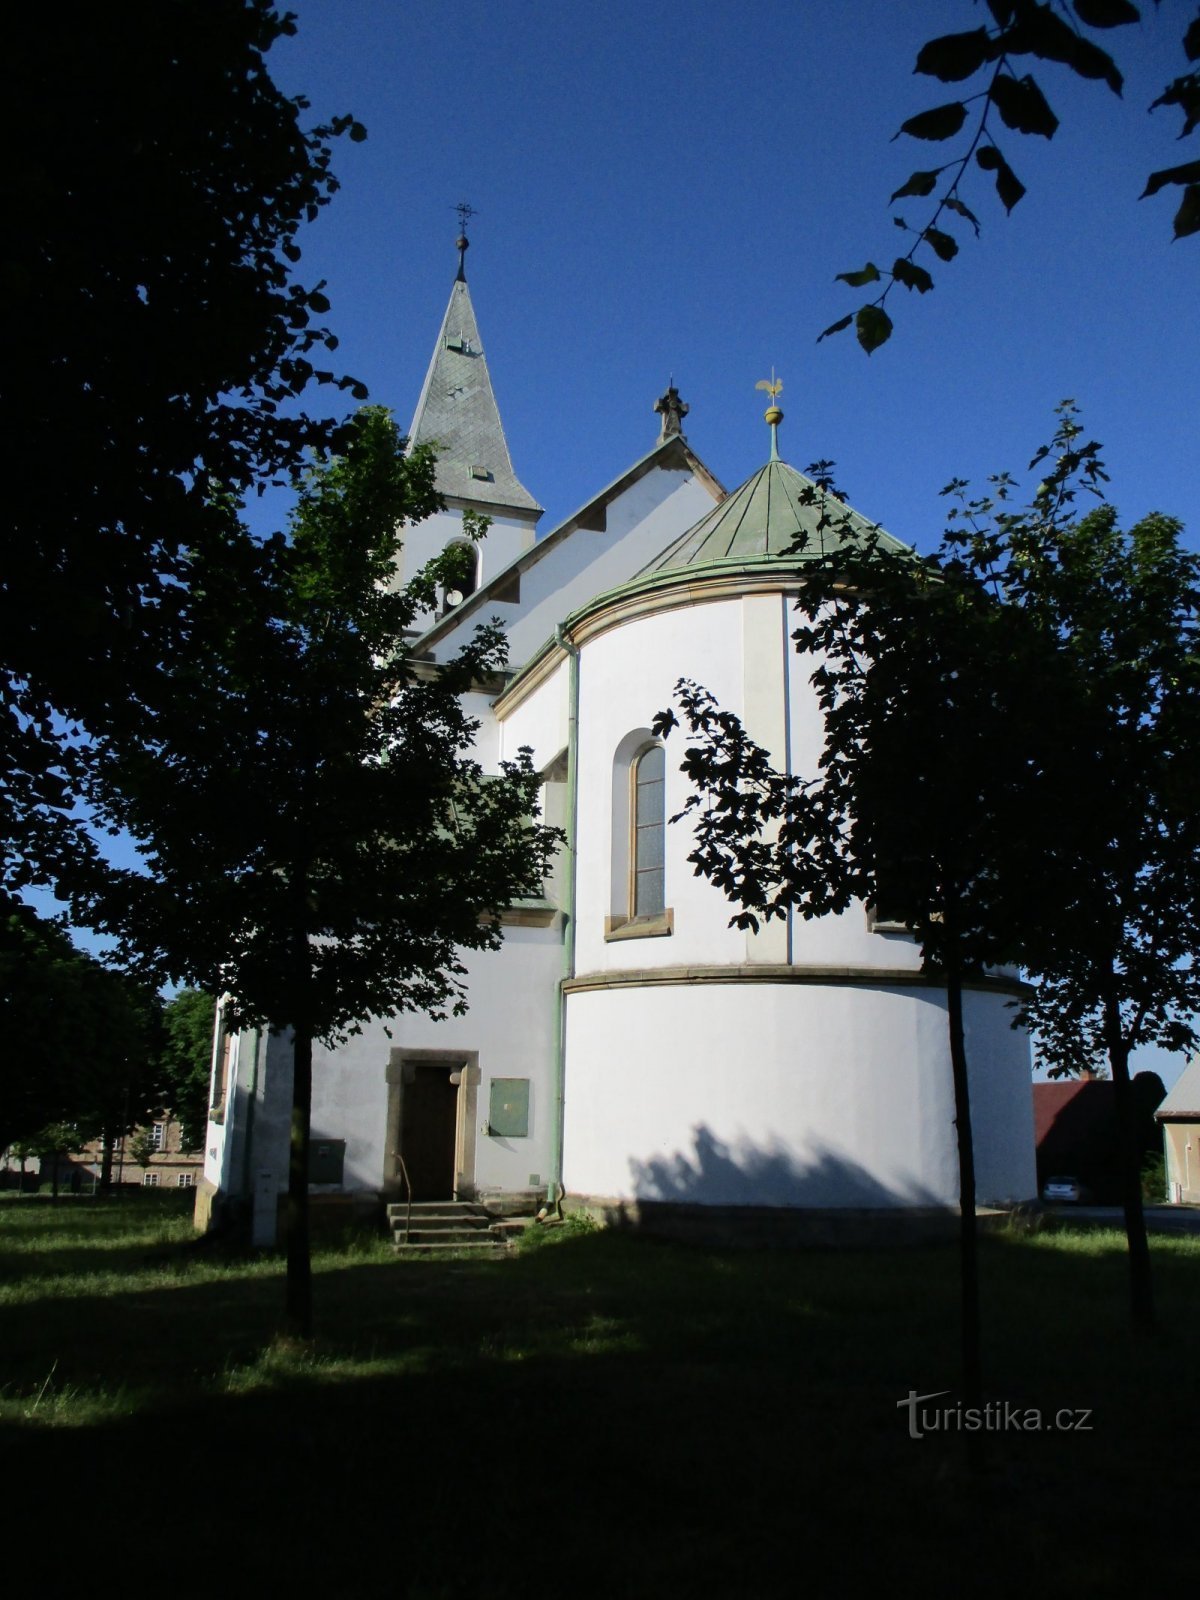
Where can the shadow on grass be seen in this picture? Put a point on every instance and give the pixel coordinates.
(611, 1416)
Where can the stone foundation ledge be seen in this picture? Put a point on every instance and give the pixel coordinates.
(785, 1227)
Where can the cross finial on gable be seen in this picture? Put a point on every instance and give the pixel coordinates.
(672, 410)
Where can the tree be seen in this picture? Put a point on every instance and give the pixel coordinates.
(142, 1148)
(1033, 690)
(1050, 31)
(186, 1061)
(155, 344)
(321, 844)
(904, 654)
(81, 1040)
(1118, 967)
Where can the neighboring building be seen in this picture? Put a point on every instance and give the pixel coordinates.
(171, 1164)
(1075, 1125)
(1179, 1117)
(627, 1045)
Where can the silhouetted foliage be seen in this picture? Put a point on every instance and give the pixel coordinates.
(1011, 765)
(185, 1061)
(321, 844)
(1050, 31)
(154, 345)
(80, 1041)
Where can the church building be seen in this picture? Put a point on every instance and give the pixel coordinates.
(627, 1048)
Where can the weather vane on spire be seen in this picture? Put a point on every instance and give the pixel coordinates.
(465, 213)
(772, 415)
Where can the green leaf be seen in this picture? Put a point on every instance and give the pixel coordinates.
(873, 327)
(942, 122)
(899, 222)
(921, 183)
(1008, 186)
(1022, 106)
(1184, 93)
(1191, 41)
(859, 280)
(913, 277)
(1187, 218)
(1189, 172)
(943, 246)
(952, 203)
(357, 133)
(1106, 13)
(1040, 32)
(955, 55)
(836, 327)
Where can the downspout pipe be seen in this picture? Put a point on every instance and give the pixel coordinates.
(554, 1193)
(251, 1093)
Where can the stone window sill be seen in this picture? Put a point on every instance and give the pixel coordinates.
(659, 927)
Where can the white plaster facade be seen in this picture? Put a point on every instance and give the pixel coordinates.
(664, 1057)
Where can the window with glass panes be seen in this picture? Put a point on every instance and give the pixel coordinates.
(649, 814)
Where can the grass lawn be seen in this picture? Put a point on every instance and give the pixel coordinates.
(600, 1416)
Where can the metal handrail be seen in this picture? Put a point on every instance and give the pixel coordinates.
(408, 1186)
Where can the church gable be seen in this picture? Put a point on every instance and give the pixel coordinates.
(603, 544)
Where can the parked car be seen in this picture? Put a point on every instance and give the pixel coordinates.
(1064, 1191)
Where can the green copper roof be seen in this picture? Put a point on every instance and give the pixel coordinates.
(764, 519)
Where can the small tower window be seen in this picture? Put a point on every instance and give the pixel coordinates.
(467, 580)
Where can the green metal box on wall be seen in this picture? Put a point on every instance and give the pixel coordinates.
(326, 1160)
(508, 1108)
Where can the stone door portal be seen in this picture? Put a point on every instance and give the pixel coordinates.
(431, 1107)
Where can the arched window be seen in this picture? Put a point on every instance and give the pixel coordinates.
(647, 832)
(638, 894)
(468, 581)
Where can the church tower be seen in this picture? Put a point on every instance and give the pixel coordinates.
(457, 414)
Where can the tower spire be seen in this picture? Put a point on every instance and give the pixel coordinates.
(457, 411)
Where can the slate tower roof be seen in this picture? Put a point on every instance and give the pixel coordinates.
(457, 413)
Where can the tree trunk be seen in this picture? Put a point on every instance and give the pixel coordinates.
(1141, 1281)
(299, 1269)
(968, 1243)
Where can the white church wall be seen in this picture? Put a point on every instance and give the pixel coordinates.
(540, 720)
(485, 747)
(783, 1094)
(626, 676)
(640, 522)
(505, 539)
(1001, 1081)
(511, 1023)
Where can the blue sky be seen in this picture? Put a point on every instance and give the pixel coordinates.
(671, 190)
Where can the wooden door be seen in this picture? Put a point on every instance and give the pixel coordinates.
(429, 1130)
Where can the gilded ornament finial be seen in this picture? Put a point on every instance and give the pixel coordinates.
(772, 415)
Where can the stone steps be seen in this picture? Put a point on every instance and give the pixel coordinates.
(436, 1225)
